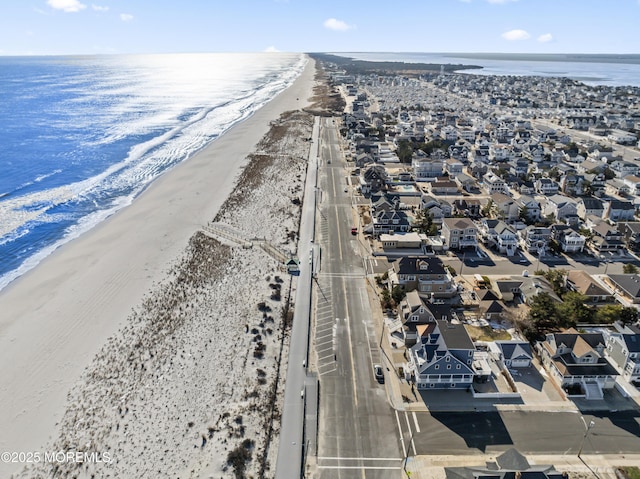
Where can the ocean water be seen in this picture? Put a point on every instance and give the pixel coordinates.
(81, 137)
(606, 70)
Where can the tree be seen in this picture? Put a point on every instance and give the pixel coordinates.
(629, 315)
(423, 223)
(574, 310)
(405, 151)
(486, 211)
(397, 294)
(557, 279)
(385, 301)
(523, 214)
(630, 268)
(608, 314)
(543, 315)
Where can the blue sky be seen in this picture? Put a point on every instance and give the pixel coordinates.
(45, 27)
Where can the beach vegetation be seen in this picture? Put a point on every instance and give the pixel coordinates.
(630, 268)
(239, 457)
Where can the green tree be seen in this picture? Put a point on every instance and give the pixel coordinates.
(557, 279)
(423, 223)
(397, 294)
(629, 315)
(630, 268)
(608, 314)
(405, 151)
(574, 310)
(543, 315)
(486, 211)
(523, 214)
(385, 300)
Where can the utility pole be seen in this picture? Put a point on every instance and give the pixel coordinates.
(587, 428)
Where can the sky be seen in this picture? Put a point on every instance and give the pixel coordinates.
(60, 27)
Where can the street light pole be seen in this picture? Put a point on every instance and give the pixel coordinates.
(587, 429)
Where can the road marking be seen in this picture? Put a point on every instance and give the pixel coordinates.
(413, 444)
(415, 421)
(360, 459)
(322, 358)
(395, 468)
(320, 338)
(404, 449)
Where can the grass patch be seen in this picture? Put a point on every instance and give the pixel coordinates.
(631, 472)
(486, 333)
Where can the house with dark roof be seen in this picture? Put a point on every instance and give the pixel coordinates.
(630, 231)
(606, 238)
(443, 357)
(459, 233)
(619, 210)
(627, 284)
(426, 275)
(508, 465)
(514, 353)
(589, 206)
(623, 348)
(388, 221)
(582, 282)
(577, 359)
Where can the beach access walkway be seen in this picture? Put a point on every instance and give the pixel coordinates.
(227, 233)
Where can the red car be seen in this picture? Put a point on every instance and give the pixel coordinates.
(354, 231)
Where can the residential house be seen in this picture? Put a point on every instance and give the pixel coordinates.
(504, 207)
(492, 183)
(497, 234)
(561, 207)
(605, 239)
(623, 168)
(532, 286)
(623, 348)
(459, 233)
(427, 169)
(572, 184)
(546, 186)
(596, 183)
(453, 166)
(425, 274)
(437, 208)
(508, 289)
(619, 210)
(489, 306)
(589, 206)
(616, 187)
(570, 240)
(388, 221)
(443, 357)
(535, 239)
(633, 182)
(626, 284)
(575, 359)
(413, 312)
(514, 353)
(582, 282)
(467, 207)
(403, 242)
(443, 186)
(519, 167)
(375, 179)
(508, 465)
(630, 231)
(466, 182)
(528, 208)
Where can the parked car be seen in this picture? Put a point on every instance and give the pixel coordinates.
(354, 231)
(378, 374)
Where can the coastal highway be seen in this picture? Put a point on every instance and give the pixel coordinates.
(358, 430)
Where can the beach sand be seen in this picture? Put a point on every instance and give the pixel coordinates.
(108, 346)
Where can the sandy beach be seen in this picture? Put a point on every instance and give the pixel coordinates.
(142, 339)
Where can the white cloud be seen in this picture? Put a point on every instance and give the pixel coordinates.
(514, 35)
(500, 2)
(126, 17)
(271, 49)
(69, 6)
(99, 8)
(546, 38)
(335, 24)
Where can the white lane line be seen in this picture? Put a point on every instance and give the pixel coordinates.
(413, 444)
(415, 421)
(395, 468)
(404, 449)
(322, 358)
(360, 459)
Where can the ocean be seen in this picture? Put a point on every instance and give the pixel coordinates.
(82, 136)
(596, 69)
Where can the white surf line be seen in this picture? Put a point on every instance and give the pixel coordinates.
(415, 421)
(404, 449)
(413, 444)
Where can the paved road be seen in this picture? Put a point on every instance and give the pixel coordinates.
(358, 434)
(529, 432)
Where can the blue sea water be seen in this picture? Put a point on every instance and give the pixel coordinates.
(81, 137)
(596, 69)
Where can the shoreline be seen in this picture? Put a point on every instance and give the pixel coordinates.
(59, 314)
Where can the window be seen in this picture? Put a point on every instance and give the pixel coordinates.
(448, 358)
(453, 385)
(432, 385)
(457, 366)
(437, 366)
(448, 366)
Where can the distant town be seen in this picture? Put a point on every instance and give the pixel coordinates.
(497, 218)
